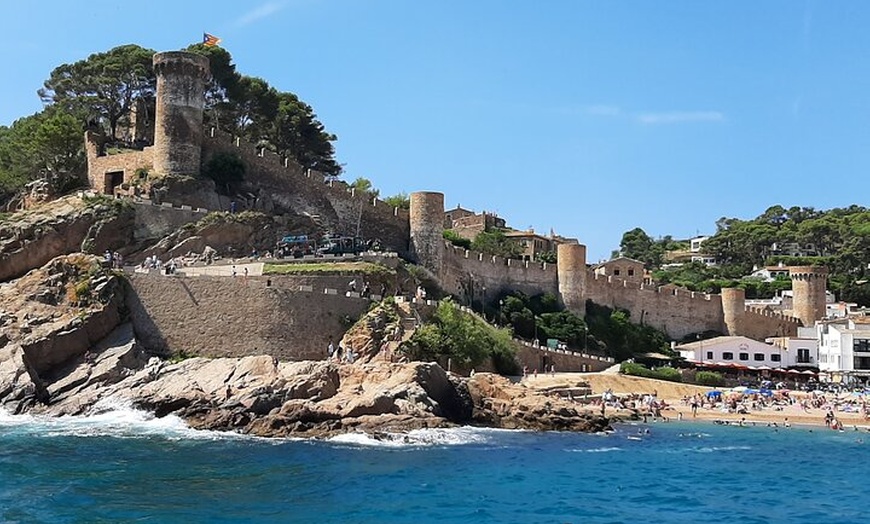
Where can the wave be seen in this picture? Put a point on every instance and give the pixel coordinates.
(108, 418)
(419, 438)
(595, 450)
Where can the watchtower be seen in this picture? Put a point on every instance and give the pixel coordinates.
(427, 229)
(178, 121)
(734, 309)
(808, 284)
(571, 271)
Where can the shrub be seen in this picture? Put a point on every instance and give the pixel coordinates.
(639, 370)
(454, 238)
(709, 378)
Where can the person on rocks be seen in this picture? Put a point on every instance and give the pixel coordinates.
(338, 352)
(330, 349)
(351, 286)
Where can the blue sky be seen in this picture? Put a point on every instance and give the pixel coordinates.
(590, 118)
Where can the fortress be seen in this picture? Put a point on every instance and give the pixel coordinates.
(181, 146)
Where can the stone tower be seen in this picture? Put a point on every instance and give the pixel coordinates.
(427, 229)
(808, 284)
(571, 271)
(178, 121)
(733, 309)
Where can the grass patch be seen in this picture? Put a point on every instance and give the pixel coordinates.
(328, 268)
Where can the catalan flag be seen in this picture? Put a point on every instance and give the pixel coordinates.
(210, 40)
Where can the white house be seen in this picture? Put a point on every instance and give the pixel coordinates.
(695, 243)
(844, 349)
(751, 353)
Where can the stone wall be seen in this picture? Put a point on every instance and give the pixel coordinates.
(541, 358)
(475, 276)
(761, 324)
(128, 163)
(676, 311)
(233, 317)
(282, 183)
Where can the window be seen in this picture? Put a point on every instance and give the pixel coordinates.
(631, 272)
(709, 355)
(775, 358)
(727, 356)
(744, 356)
(862, 362)
(758, 357)
(616, 272)
(861, 345)
(803, 356)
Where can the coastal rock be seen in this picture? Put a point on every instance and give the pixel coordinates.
(499, 403)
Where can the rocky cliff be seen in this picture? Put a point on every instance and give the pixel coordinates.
(71, 224)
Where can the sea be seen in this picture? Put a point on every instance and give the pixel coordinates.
(123, 465)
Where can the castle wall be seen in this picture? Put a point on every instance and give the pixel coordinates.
(229, 317)
(100, 166)
(282, 183)
(564, 361)
(475, 276)
(759, 325)
(676, 311)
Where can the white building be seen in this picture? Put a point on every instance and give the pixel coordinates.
(797, 352)
(695, 243)
(844, 349)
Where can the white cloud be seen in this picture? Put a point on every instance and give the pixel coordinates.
(260, 12)
(679, 117)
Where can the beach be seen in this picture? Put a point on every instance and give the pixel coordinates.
(674, 393)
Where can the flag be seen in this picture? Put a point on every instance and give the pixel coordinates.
(210, 40)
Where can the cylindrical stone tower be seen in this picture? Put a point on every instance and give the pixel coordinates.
(427, 229)
(178, 120)
(733, 310)
(571, 270)
(808, 284)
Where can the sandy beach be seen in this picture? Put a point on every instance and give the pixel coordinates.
(673, 394)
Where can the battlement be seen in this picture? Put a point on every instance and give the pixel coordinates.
(477, 257)
(766, 313)
(274, 166)
(671, 291)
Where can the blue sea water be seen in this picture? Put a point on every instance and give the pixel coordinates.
(124, 466)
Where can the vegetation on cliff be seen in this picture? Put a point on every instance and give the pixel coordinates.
(464, 338)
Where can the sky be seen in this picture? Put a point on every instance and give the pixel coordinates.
(587, 118)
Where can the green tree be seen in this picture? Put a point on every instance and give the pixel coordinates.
(400, 200)
(364, 185)
(227, 170)
(494, 242)
(105, 85)
(47, 145)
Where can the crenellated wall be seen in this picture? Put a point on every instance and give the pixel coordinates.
(335, 205)
(475, 276)
(676, 311)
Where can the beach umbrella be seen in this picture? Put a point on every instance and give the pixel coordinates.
(808, 372)
(763, 368)
(793, 372)
(766, 392)
(714, 394)
(739, 389)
